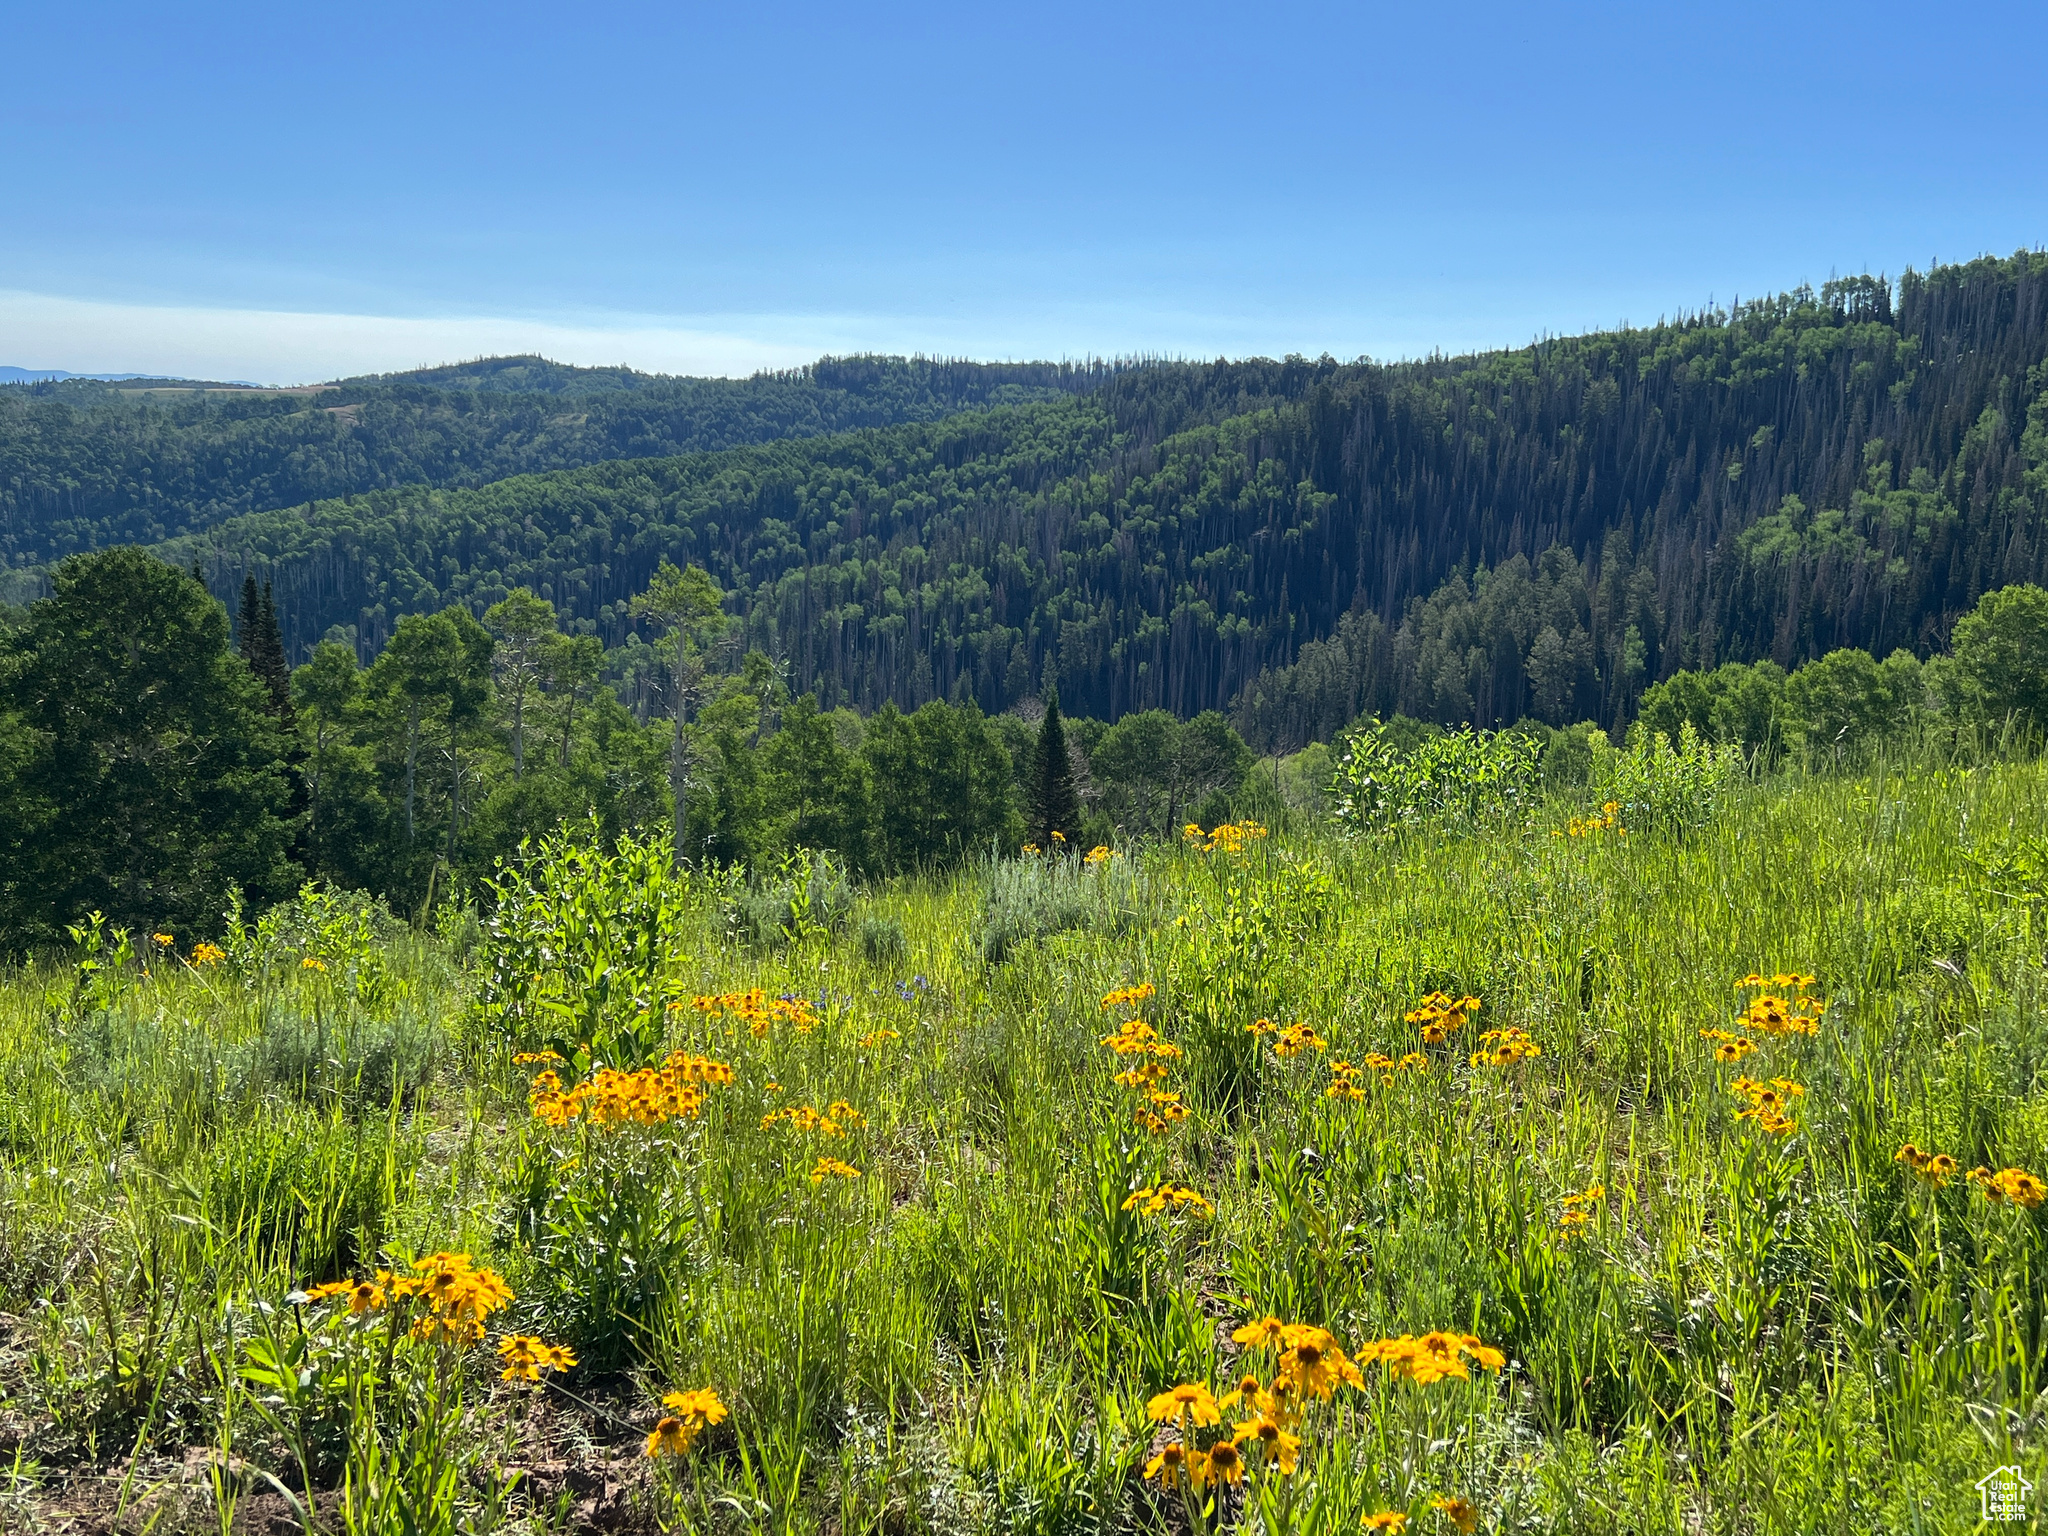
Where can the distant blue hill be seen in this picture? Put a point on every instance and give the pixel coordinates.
(10, 375)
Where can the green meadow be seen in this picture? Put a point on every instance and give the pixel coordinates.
(895, 1226)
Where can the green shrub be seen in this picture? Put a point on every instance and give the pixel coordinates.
(808, 896)
(1034, 897)
(882, 940)
(1658, 785)
(1459, 780)
(577, 945)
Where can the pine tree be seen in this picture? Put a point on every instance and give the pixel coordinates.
(1055, 804)
(262, 647)
(245, 622)
(155, 779)
(269, 661)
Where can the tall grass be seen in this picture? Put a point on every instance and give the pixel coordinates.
(1754, 1333)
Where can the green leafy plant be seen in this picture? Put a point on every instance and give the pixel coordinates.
(1462, 780)
(577, 946)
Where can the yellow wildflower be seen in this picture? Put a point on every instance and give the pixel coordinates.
(670, 1437)
(2011, 1184)
(1295, 1039)
(525, 1357)
(1267, 1333)
(1276, 1446)
(1170, 1465)
(1440, 1016)
(1221, 1462)
(1189, 1402)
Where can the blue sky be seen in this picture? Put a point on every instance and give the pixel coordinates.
(292, 193)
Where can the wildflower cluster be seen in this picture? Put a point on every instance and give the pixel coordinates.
(1123, 997)
(757, 1010)
(454, 1297)
(525, 1357)
(1099, 855)
(1288, 1039)
(1441, 1016)
(689, 1415)
(1347, 1078)
(1136, 1038)
(1935, 1168)
(834, 1120)
(1608, 820)
(527, 1058)
(2014, 1185)
(204, 953)
(1505, 1047)
(1769, 1104)
(1305, 1366)
(833, 1168)
(1167, 1195)
(875, 1037)
(1782, 1005)
(649, 1096)
(1432, 1358)
(1229, 837)
(1578, 1211)
(1728, 1047)
(1461, 1514)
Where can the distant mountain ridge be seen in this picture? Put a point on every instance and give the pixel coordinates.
(13, 375)
(84, 463)
(10, 375)
(1543, 530)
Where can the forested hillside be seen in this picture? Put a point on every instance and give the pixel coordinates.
(86, 464)
(1543, 531)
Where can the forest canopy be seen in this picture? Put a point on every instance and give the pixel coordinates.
(1541, 532)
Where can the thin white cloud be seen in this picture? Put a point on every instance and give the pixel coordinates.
(285, 347)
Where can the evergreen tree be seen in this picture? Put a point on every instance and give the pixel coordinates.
(153, 778)
(246, 624)
(267, 659)
(524, 627)
(1055, 803)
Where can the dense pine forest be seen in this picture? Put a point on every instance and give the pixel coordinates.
(86, 464)
(1541, 532)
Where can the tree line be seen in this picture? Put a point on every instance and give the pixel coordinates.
(155, 756)
(1544, 531)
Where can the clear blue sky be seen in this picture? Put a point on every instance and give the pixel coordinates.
(291, 192)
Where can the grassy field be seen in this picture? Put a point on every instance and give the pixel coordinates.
(922, 1252)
